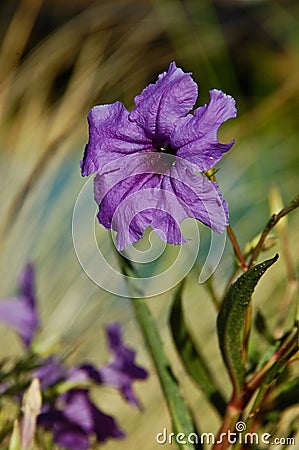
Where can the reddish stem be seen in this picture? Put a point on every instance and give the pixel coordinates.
(237, 249)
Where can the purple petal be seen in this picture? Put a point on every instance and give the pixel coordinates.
(195, 136)
(80, 410)
(50, 372)
(117, 192)
(122, 370)
(130, 198)
(84, 373)
(70, 437)
(160, 105)
(157, 190)
(199, 197)
(105, 426)
(27, 284)
(65, 433)
(77, 419)
(20, 312)
(111, 135)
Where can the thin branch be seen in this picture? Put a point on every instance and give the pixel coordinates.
(271, 223)
(237, 249)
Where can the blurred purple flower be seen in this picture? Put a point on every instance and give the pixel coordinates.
(72, 417)
(147, 158)
(75, 418)
(20, 312)
(121, 371)
(50, 371)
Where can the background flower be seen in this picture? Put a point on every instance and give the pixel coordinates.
(20, 312)
(122, 370)
(76, 419)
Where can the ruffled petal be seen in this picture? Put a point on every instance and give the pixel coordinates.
(124, 178)
(195, 136)
(200, 197)
(135, 203)
(156, 190)
(160, 105)
(111, 135)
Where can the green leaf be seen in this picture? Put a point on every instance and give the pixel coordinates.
(181, 417)
(191, 357)
(231, 320)
(180, 414)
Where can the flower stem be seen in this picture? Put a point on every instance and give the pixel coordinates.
(232, 414)
(237, 249)
(275, 218)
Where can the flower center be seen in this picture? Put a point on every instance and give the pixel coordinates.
(167, 149)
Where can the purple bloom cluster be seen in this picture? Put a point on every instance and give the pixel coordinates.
(147, 161)
(76, 419)
(72, 416)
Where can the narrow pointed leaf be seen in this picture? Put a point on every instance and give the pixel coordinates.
(179, 411)
(191, 357)
(231, 320)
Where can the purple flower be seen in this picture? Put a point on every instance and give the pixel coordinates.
(50, 372)
(147, 160)
(75, 418)
(119, 373)
(20, 312)
(122, 370)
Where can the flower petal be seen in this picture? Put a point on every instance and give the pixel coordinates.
(129, 196)
(81, 411)
(20, 312)
(157, 190)
(200, 197)
(122, 370)
(195, 136)
(76, 420)
(50, 372)
(160, 105)
(65, 433)
(111, 135)
(27, 283)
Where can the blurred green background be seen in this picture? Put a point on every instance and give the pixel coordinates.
(58, 59)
